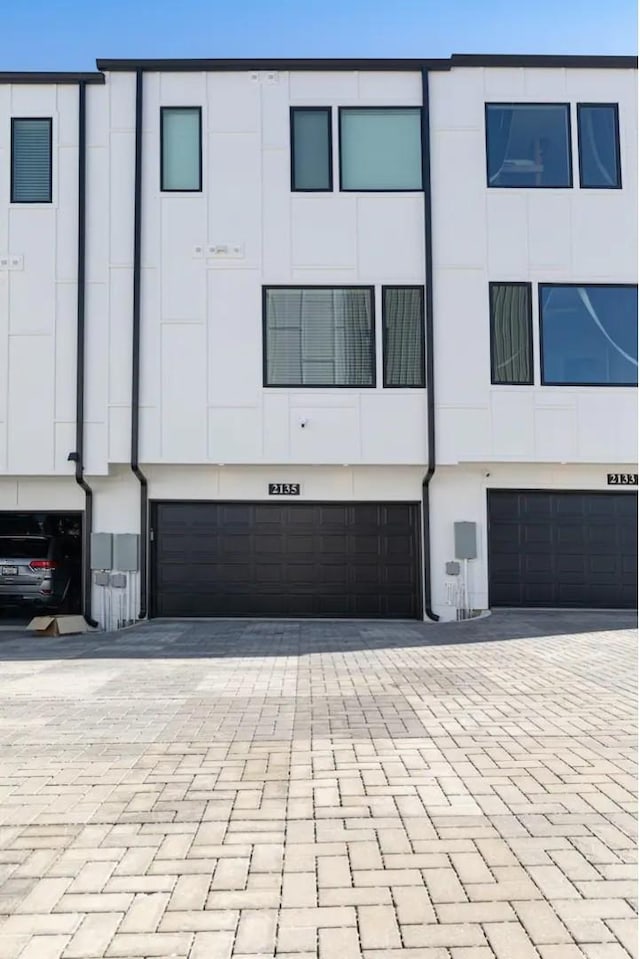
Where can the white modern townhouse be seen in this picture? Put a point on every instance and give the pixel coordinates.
(319, 337)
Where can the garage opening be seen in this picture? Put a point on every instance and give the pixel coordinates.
(40, 564)
(332, 560)
(563, 549)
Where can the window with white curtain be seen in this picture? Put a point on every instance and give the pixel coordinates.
(403, 335)
(181, 149)
(528, 145)
(31, 159)
(319, 336)
(599, 146)
(511, 333)
(380, 148)
(589, 334)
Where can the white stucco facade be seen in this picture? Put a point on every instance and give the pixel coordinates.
(209, 428)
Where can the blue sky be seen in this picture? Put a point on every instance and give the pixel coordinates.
(70, 34)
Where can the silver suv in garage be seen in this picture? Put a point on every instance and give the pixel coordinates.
(37, 571)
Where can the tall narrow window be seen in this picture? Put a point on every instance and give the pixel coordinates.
(599, 146)
(31, 160)
(528, 145)
(181, 149)
(511, 346)
(380, 148)
(319, 336)
(403, 341)
(311, 148)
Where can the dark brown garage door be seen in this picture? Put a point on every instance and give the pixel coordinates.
(276, 559)
(563, 549)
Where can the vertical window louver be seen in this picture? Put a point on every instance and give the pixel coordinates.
(31, 160)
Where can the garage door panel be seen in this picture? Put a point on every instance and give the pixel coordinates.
(581, 551)
(283, 559)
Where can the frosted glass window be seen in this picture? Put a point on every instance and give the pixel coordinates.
(599, 146)
(403, 326)
(589, 335)
(319, 336)
(31, 160)
(311, 148)
(181, 155)
(380, 148)
(511, 348)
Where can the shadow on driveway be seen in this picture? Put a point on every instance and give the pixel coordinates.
(237, 638)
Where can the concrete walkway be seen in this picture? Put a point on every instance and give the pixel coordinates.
(332, 790)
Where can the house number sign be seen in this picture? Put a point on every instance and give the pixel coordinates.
(622, 479)
(284, 489)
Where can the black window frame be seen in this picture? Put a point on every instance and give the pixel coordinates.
(593, 384)
(175, 106)
(529, 286)
(616, 120)
(527, 103)
(382, 106)
(49, 121)
(398, 386)
(310, 109)
(318, 386)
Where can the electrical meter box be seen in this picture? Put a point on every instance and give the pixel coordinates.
(125, 552)
(464, 536)
(101, 550)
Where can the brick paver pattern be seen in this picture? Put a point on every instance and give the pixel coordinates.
(215, 789)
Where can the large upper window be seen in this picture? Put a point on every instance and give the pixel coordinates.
(311, 148)
(31, 160)
(403, 335)
(589, 335)
(181, 149)
(599, 146)
(511, 333)
(528, 145)
(380, 148)
(319, 336)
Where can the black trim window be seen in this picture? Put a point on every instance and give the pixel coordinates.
(403, 336)
(380, 148)
(511, 334)
(311, 149)
(318, 336)
(528, 145)
(599, 146)
(181, 149)
(589, 335)
(31, 151)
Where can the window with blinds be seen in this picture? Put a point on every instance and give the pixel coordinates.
(403, 335)
(31, 159)
(511, 333)
(319, 336)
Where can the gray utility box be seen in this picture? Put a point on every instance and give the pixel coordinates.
(464, 536)
(125, 552)
(101, 550)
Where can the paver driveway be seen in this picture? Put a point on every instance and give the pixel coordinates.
(216, 789)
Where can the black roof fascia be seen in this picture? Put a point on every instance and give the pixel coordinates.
(544, 60)
(409, 65)
(27, 77)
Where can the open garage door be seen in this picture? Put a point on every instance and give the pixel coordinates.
(40, 563)
(563, 549)
(274, 559)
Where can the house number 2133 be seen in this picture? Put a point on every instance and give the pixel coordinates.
(284, 489)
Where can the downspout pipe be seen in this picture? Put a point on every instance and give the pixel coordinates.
(135, 370)
(78, 457)
(428, 319)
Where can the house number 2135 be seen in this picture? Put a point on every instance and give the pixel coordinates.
(284, 489)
